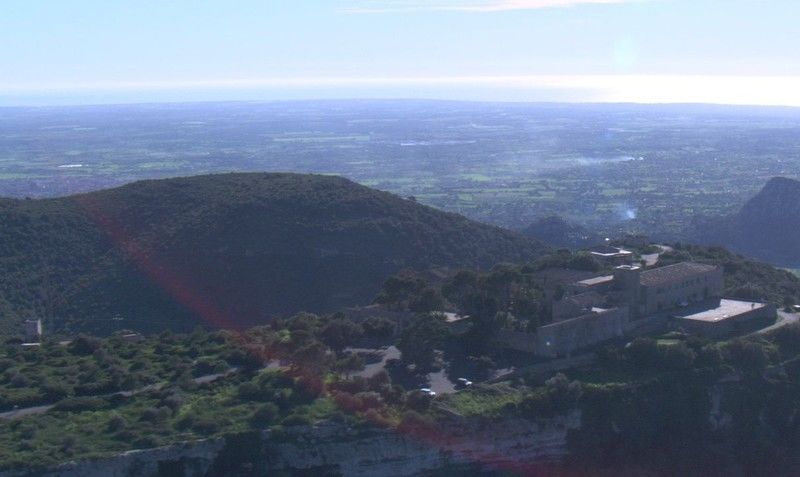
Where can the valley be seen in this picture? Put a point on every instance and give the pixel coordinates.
(646, 168)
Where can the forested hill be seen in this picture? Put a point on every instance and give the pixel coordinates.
(766, 227)
(228, 250)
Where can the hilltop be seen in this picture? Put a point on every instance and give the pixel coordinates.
(227, 250)
(765, 227)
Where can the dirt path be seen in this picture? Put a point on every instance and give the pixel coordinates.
(27, 411)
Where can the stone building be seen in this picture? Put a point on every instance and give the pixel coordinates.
(724, 318)
(632, 301)
(678, 285)
(598, 325)
(651, 291)
(33, 331)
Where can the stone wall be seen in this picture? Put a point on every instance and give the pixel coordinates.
(565, 337)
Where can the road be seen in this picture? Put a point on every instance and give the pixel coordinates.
(651, 259)
(784, 319)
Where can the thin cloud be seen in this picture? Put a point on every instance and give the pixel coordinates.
(401, 6)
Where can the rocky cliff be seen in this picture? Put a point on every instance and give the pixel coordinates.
(336, 449)
(765, 227)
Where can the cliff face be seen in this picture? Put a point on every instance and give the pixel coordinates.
(503, 444)
(334, 449)
(766, 226)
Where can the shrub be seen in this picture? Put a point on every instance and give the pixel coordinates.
(208, 365)
(375, 417)
(84, 345)
(117, 423)
(414, 422)
(296, 420)
(23, 397)
(147, 442)
(250, 391)
(205, 425)
(747, 355)
(677, 356)
(173, 402)
(348, 402)
(6, 363)
(266, 414)
(370, 399)
(80, 404)
(55, 392)
(186, 421)
(19, 381)
(156, 414)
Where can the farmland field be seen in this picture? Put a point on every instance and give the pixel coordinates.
(648, 168)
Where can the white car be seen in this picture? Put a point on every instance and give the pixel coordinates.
(463, 382)
(428, 391)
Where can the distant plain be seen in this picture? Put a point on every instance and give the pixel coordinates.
(610, 167)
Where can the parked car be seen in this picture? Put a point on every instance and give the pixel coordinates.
(428, 391)
(463, 383)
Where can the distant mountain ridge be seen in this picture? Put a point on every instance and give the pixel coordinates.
(227, 250)
(766, 227)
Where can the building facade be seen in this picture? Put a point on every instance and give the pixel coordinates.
(678, 285)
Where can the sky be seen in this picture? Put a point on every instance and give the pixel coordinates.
(651, 51)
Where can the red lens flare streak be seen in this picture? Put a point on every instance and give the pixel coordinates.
(467, 448)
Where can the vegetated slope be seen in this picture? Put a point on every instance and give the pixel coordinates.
(766, 227)
(558, 232)
(226, 250)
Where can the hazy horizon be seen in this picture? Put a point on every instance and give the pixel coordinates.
(640, 51)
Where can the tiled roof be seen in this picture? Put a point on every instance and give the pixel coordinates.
(674, 273)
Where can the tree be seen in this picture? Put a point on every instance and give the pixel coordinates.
(266, 414)
(398, 290)
(747, 355)
(340, 333)
(311, 358)
(643, 353)
(84, 345)
(428, 300)
(378, 328)
(418, 342)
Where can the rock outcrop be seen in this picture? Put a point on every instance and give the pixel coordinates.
(330, 448)
(764, 228)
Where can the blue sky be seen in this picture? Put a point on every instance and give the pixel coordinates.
(83, 51)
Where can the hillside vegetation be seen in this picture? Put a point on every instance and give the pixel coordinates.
(766, 227)
(226, 250)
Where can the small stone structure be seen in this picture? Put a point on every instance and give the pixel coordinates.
(33, 331)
